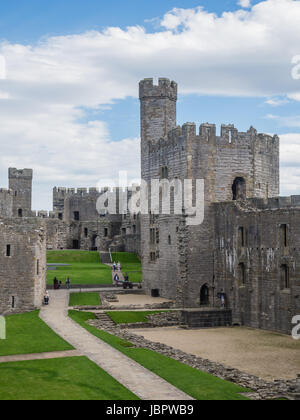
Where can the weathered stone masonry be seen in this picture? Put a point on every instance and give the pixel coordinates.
(194, 264)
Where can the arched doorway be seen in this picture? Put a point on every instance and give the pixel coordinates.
(239, 189)
(204, 295)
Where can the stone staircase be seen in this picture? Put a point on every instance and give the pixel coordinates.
(104, 321)
(105, 257)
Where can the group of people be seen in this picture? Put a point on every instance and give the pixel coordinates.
(116, 267)
(58, 284)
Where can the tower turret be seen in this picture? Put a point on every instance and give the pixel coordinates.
(20, 182)
(158, 112)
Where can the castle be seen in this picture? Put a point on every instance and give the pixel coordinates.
(246, 250)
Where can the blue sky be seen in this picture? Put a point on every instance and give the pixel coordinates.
(68, 101)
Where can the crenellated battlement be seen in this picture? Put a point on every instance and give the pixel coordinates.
(164, 89)
(14, 173)
(229, 136)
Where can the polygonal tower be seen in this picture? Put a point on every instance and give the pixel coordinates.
(158, 113)
(20, 182)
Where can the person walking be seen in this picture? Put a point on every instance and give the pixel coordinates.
(68, 283)
(116, 280)
(119, 266)
(114, 266)
(46, 298)
(55, 283)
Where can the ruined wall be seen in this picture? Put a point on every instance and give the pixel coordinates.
(256, 291)
(20, 182)
(6, 203)
(22, 264)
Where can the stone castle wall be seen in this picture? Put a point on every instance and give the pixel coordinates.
(22, 264)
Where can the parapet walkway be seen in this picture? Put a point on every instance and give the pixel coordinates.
(143, 383)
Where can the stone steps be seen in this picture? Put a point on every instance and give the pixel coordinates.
(104, 321)
(105, 258)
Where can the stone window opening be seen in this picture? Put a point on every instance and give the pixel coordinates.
(13, 302)
(239, 189)
(242, 274)
(134, 229)
(152, 256)
(284, 234)
(230, 136)
(20, 213)
(157, 236)
(169, 240)
(105, 232)
(76, 216)
(123, 231)
(8, 250)
(241, 237)
(60, 216)
(285, 277)
(86, 232)
(38, 267)
(165, 172)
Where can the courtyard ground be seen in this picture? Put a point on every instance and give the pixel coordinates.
(85, 267)
(264, 354)
(71, 378)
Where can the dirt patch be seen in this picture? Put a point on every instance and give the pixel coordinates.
(264, 354)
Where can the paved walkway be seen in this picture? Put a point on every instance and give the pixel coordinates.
(133, 376)
(39, 356)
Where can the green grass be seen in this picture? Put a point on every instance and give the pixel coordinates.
(72, 378)
(131, 264)
(131, 317)
(197, 384)
(85, 299)
(69, 256)
(27, 333)
(85, 268)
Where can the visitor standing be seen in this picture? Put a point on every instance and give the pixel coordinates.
(68, 283)
(116, 280)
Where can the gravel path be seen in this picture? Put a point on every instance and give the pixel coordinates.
(133, 376)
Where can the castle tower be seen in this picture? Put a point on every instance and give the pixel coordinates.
(20, 182)
(158, 112)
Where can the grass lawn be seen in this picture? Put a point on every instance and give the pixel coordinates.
(127, 317)
(199, 385)
(27, 333)
(85, 268)
(85, 299)
(131, 264)
(72, 378)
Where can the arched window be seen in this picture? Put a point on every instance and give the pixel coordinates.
(239, 189)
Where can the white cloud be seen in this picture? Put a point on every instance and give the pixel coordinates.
(244, 3)
(276, 102)
(290, 164)
(246, 53)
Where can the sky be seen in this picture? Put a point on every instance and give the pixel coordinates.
(69, 73)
